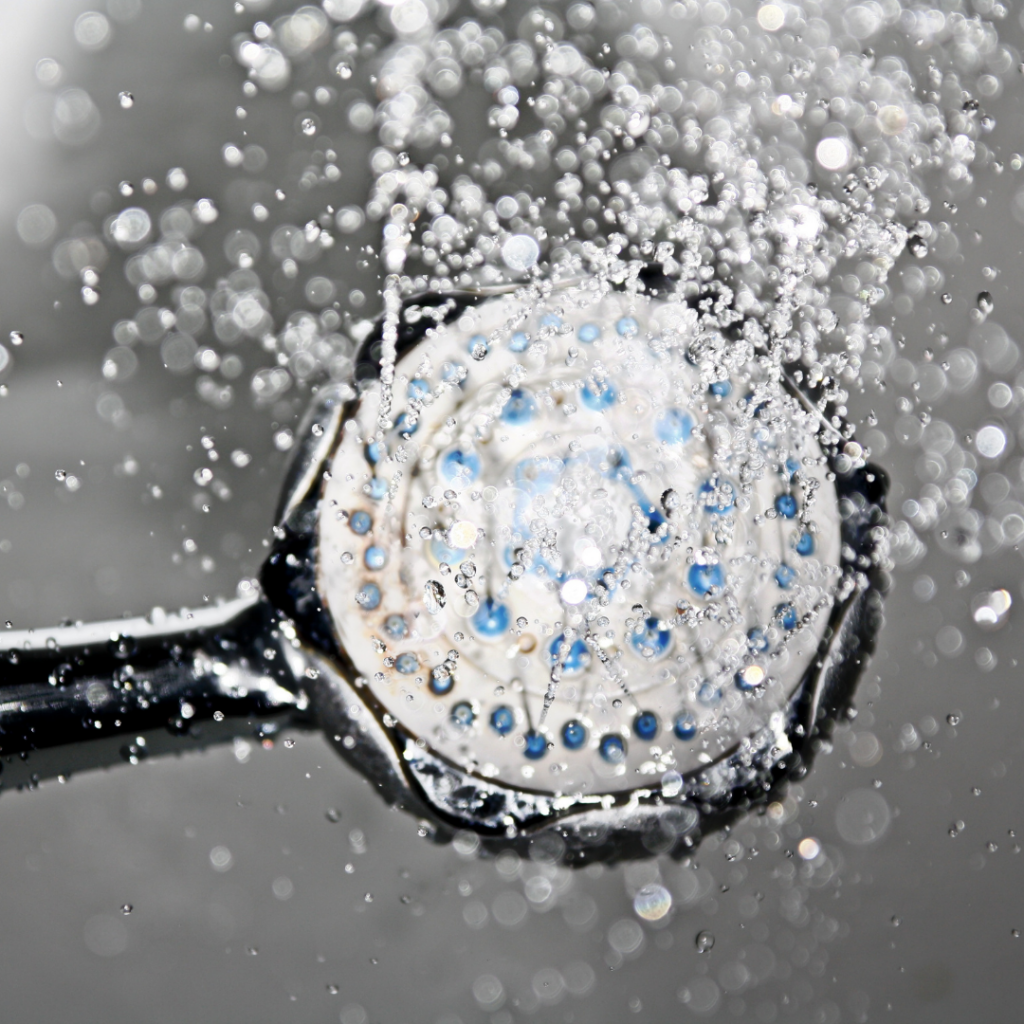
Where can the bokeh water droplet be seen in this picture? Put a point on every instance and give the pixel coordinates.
(652, 902)
(520, 253)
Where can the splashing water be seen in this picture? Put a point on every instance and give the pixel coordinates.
(656, 239)
(799, 159)
(789, 150)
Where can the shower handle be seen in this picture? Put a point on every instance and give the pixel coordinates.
(90, 695)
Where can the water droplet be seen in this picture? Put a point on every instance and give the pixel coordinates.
(520, 253)
(126, 99)
(653, 902)
(863, 817)
(93, 31)
(704, 942)
(809, 848)
(433, 597)
(991, 609)
(771, 17)
(221, 858)
(834, 154)
(990, 441)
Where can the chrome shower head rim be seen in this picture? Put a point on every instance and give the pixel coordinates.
(646, 818)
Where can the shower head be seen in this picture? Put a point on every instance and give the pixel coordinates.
(583, 562)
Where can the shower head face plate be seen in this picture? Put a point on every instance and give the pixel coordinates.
(591, 539)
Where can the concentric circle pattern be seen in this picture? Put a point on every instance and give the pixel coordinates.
(594, 540)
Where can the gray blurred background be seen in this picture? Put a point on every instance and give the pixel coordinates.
(272, 885)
